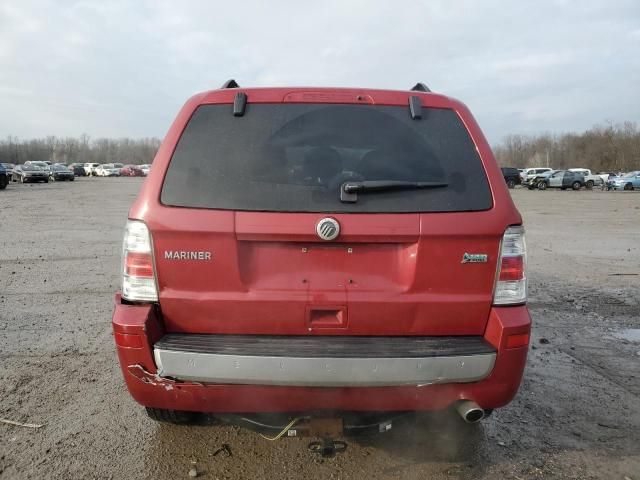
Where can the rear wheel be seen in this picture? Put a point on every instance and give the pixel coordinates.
(171, 416)
(589, 185)
(576, 185)
(511, 183)
(4, 182)
(628, 186)
(542, 185)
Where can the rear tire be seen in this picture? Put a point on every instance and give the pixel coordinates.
(628, 186)
(171, 416)
(576, 185)
(511, 183)
(542, 185)
(589, 185)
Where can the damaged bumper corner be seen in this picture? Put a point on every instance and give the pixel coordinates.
(137, 329)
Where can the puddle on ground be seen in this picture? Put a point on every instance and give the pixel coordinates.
(629, 334)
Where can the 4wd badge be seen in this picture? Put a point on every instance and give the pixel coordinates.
(474, 258)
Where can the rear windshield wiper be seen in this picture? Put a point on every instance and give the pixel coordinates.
(349, 190)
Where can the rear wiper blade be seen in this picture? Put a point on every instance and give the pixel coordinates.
(349, 190)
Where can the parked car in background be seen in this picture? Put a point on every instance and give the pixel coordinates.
(4, 177)
(90, 168)
(107, 170)
(590, 179)
(59, 173)
(511, 176)
(606, 176)
(131, 171)
(530, 173)
(146, 168)
(29, 173)
(628, 181)
(562, 179)
(78, 169)
(8, 167)
(42, 165)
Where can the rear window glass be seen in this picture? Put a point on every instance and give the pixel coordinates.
(296, 157)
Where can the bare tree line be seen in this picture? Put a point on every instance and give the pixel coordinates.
(79, 150)
(603, 148)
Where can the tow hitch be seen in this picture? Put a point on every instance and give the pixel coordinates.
(324, 428)
(327, 429)
(327, 447)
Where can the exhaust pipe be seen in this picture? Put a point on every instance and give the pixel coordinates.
(470, 411)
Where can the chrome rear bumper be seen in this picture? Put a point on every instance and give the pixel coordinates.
(323, 361)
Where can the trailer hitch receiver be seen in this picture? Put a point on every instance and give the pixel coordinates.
(327, 447)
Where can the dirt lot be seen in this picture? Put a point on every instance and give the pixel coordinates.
(577, 414)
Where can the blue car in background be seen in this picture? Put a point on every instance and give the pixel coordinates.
(628, 181)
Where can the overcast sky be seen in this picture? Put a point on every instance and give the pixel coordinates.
(124, 68)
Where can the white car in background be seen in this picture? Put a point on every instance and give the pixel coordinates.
(529, 174)
(590, 180)
(90, 168)
(146, 168)
(107, 170)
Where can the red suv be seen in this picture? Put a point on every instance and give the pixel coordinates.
(322, 252)
(131, 171)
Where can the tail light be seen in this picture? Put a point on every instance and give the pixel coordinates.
(511, 283)
(138, 275)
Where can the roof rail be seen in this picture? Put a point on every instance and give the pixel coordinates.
(231, 83)
(420, 87)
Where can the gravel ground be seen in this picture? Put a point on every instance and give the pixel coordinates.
(577, 414)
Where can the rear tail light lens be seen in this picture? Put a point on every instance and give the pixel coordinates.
(511, 283)
(138, 276)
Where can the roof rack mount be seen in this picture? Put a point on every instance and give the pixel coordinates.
(231, 83)
(420, 87)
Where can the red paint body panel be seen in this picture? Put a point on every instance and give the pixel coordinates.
(493, 392)
(388, 274)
